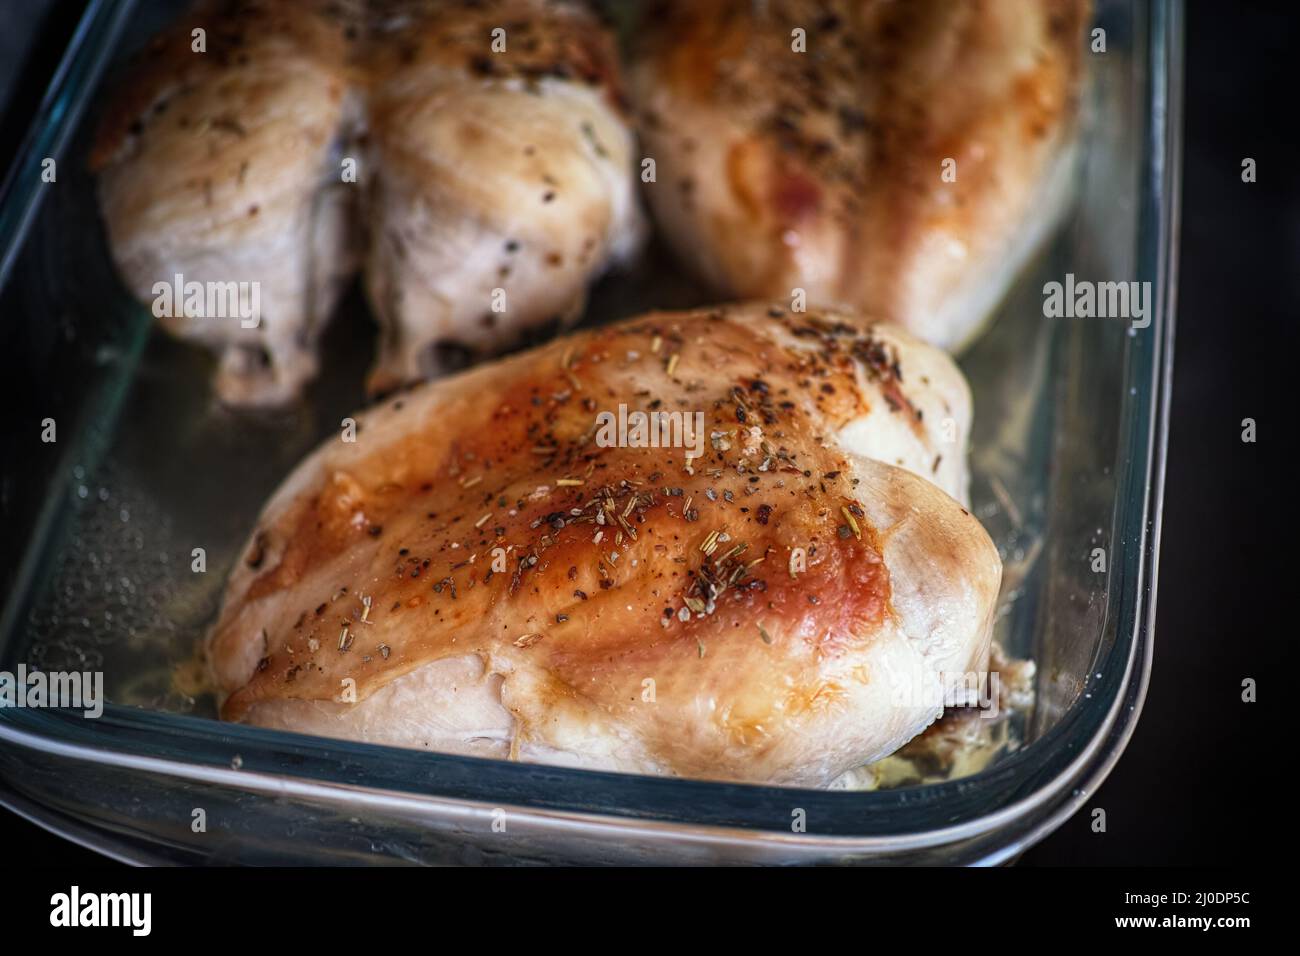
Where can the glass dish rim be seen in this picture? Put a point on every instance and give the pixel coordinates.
(203, 750)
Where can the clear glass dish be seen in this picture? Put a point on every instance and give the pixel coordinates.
(1068, 457)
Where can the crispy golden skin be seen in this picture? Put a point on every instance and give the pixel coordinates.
(780, 609)
(824, 170)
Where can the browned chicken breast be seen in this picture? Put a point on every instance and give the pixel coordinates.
(474, 155)
(902, 158)
(512, 563)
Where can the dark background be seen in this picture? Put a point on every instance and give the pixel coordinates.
(1196, 784)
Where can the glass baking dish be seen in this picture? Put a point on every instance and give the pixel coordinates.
(1068, 457)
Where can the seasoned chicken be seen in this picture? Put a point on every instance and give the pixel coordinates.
(220, 167)
(502, 181)
(903, 158)
(512, 563)
(473, 156)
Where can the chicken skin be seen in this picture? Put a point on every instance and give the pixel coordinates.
(473, 158)
(219, 167)
(508, 563)
(504, 180)
(902, 159)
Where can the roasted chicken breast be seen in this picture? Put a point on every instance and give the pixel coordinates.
(222, 167)
(512, 563)
(474, 156)
(503, 181)
(901, 158)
